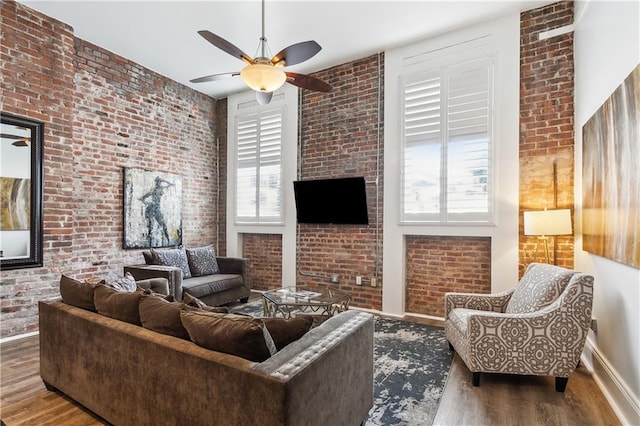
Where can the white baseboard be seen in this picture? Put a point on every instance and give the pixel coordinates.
(624, 404)
(18, 337)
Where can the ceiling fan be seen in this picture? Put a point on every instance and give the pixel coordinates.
(18, 140)
(266, 75)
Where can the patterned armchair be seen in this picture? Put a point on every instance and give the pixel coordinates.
(538, 328)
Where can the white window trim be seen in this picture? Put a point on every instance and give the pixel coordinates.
(501, 38)
(288, 97)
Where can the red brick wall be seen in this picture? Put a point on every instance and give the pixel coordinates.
(264, 252)
(221, 135)
(436, 265)
(546, 121)
(339, 139)
(101, 113)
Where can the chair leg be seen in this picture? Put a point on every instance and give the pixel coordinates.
(475, 378)
(561, 383)
(451, 348)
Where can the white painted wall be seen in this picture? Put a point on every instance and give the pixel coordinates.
(502, 36)
(607, 49)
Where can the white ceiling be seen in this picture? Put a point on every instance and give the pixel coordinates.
(162, 35)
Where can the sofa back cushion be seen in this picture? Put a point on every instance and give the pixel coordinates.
(202, 261)
(539, 287)
(118, 305)
(77, 293)
(160, 315)
(287, 330)
(238, 335)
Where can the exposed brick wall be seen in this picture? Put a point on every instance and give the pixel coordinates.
(339, 139)
(221, 135)
(440, 264)
(37, 82)
(546, 121)
(264, 252)
(102, 113)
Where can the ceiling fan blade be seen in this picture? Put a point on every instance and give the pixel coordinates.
(296, 53)
(224, 45)
(307, 82)
(214, 77)
(8, 136)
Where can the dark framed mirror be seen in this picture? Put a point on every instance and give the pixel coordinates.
(21, 182)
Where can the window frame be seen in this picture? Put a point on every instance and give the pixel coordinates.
(443, 217)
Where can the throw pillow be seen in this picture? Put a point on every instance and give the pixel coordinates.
(159, 315)
(202, 261)
(539, 287)
(232, 334)
(77, 293)
(193, 301)
(287, 330)
(117, 305)
(148, 258)
(126, 283)
(173, 257)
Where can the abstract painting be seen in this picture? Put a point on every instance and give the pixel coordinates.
(611, 176)
(152, 209)
(15, 204)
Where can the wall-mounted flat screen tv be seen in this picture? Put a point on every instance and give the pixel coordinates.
(341, 201)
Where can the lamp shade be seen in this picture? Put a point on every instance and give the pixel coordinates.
(547, 222)
(263, 77)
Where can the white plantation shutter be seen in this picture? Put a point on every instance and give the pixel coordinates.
(258, 179)
(447, 144)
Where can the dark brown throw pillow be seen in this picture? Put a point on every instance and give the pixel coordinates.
(287, 330)
(238, 335)
(118, 305)
(159, 315)
(193, 301)
(77, 293)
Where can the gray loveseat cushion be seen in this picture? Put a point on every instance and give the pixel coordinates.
(210, 284)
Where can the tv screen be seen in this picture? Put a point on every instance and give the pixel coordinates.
(340, 201)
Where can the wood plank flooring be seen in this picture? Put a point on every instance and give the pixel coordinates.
(500, 399)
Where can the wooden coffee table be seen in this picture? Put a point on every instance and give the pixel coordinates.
(293, 301)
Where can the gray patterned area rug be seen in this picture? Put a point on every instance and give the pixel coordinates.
(411, 367)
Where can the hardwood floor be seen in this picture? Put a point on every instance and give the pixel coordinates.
(500, 399)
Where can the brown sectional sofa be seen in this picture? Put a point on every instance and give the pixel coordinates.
(128, 374)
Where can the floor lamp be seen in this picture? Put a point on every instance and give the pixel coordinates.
(545, 224)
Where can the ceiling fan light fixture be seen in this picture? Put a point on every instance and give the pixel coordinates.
(263, 77)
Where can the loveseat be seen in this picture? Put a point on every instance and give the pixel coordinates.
(213, 279)
(128, 374)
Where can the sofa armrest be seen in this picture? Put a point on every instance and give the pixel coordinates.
(235, 265)
(481, 302)
(157, 285)
(318, 367)
(172, 274)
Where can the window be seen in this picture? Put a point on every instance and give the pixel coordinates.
(258, 170)
(447, 135)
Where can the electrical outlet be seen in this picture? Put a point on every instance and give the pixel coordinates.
(335, 279)
(358, 280)
(374, 282)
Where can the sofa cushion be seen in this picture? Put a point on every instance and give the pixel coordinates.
(194, 302)
(238, 335)
(202, 261)
(77, 293)
(539, 287)
(118, 305)
(126, 283)
(162, 316)
(287, 330)
(209, 284)
(172, 257)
